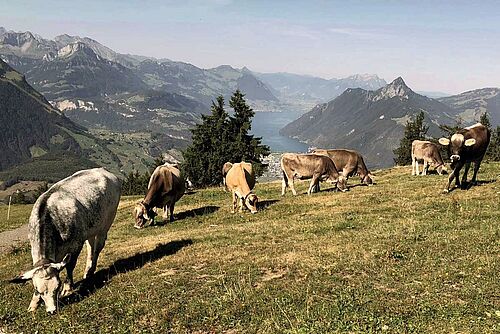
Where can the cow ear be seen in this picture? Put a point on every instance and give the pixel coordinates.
(25, 276)
(444, 141)
(470, 142)
(60, 265)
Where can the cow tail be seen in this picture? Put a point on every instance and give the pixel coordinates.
(285, 178)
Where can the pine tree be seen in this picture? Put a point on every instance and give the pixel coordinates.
(414, 130)
(493, 151)
(219, 139)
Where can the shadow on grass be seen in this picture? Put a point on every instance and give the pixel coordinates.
(88, 286)
(264, 204)
(204, 210)
(467, 185)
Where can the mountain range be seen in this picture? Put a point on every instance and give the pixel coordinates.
(369, 121)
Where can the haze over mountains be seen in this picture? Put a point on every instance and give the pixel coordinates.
(159, 100)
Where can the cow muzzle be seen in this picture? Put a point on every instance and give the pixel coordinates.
(455, 157)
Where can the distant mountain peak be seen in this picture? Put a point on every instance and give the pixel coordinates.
(73, 48)
(396, 88)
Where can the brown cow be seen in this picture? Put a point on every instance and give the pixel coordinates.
(349, 163)
(240, 180)
(467, 145)
(429, 153)
(165, 188)
(309, 166)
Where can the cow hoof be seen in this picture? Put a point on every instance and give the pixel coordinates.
(445, 191)
(137, 227)
(66, 290)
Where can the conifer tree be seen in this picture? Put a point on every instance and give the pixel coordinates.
(414, 130)
(221, 138)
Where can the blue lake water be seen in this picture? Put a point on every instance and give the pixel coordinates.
(268, 124)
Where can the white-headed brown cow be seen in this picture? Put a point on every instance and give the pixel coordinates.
(239, 178)
(165, 188)
(427, 152)
(75, 210)
(309, 166)
(349, 163)
(466, 146)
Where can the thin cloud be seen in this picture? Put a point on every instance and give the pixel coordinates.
(360, 33)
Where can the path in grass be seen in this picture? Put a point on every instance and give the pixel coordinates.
(9, 239)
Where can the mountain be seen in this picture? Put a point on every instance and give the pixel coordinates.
(471, 105)
(293, 86)
(203, 85)
(369, 121)
(33, 132)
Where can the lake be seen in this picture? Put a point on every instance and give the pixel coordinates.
(268, 124)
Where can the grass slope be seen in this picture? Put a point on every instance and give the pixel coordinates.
(398, 257)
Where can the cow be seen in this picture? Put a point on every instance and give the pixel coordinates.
(309, 166)
(165, 188)
(240, 180)
(349, 163)
(466, 145)
(76, 210)
(429, 153)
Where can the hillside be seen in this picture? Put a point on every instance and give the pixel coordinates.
(471, 105)
(397, 257)
(32, 130)
(371, 122)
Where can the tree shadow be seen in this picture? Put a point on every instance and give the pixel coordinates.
(88, 286)
(264, 204)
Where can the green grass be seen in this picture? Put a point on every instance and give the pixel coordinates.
(398, 257)
(19, 215)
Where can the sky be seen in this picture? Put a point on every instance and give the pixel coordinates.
(445, 46)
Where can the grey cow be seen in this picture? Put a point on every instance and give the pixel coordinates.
(75, 210)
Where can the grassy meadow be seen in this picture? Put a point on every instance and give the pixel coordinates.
(397, 257)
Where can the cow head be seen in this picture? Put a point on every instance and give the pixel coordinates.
(367, 179)
(457, 144)
(142, 215)
(251, 202)
(46, 282)
(341, 182)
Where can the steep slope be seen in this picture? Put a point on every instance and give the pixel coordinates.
(369, 121)
(304, 87)
(471, 105)
(31, 129)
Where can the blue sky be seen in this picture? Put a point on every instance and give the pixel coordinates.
(448, 46)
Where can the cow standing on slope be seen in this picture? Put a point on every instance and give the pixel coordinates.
(427, 152)
(466, 146)
(165, 188)
(349, 163)
(239, 178)
(75, 210)
(309, 166)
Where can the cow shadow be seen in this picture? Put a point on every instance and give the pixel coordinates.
(467, 185)
(87, 287)
(204, 210)
(264, 204)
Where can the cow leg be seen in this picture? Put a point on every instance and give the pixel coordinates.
(464, 177)
(241, 205)
(171, 209)
(35, 301)
(477, 163)
(416, 168)
(412, 166)
(313, 184)
(69, 284)
(235, 199)
(454, 175)
(292, 186)
(99, 242)
(165, 213)
(425, 168)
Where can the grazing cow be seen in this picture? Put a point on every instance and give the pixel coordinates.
(78, 209)
(429, 153)
(309, 166)
(165, 188)
(466, 146)
(349, 163)
(240, 180)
